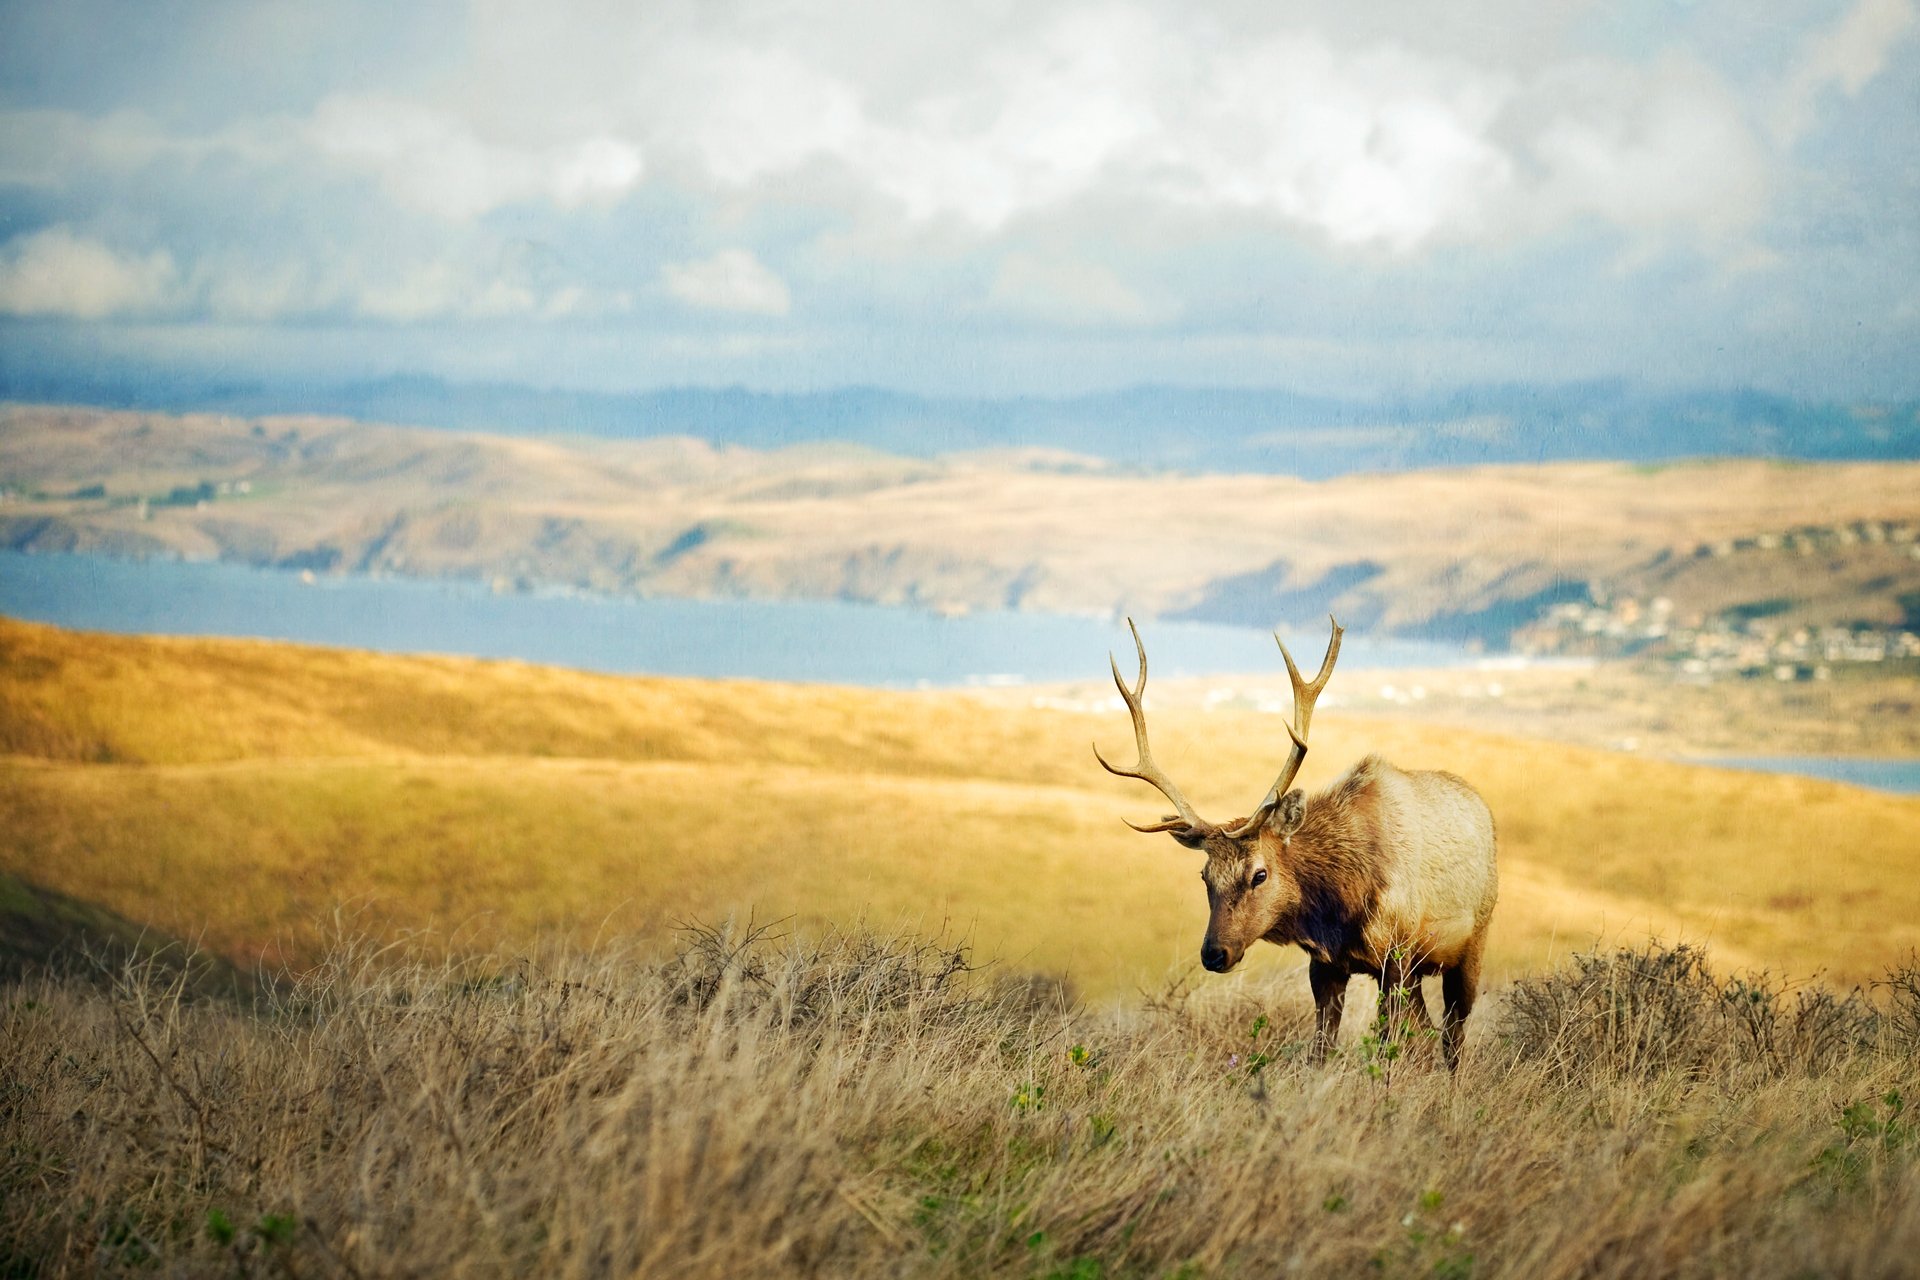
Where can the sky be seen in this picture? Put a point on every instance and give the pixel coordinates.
(980, 199)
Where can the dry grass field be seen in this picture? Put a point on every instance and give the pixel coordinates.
(243, 793)
(866, 1106)
(485, 1039)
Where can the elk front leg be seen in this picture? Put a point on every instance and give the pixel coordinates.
(1329, 984)
(1403, 1005)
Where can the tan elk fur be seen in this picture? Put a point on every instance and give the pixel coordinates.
(1387, 872)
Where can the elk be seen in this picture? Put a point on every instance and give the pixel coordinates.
(1388, 872)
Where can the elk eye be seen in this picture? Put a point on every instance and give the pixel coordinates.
(1259, 877)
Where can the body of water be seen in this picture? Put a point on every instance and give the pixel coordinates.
(772, 640)
(1899, 776)
(815, 641)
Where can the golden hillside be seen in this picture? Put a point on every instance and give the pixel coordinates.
(242, 791)
(1473, 550)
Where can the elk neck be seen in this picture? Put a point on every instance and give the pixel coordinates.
(1335, 859)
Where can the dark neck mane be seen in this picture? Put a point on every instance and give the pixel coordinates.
(1335, 858)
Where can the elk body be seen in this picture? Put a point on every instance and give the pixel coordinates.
(1388, 872)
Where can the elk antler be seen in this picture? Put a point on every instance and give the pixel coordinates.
(1146, 770)
(1305, 694)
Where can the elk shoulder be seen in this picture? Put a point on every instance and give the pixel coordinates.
(1423, 843)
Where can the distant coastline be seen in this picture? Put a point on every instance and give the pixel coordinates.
(834, 642)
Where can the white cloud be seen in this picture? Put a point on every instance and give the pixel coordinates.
(731, 280)
(1354, 137)
(54, 272)
(58, 273)
(591, 170)
(1380, 147)
(50, 148)
(750, 114)
(1847, 55)
(431, 161)
(1646, 148)
(1369, 144)
(448, 289)
(240, 289)
(1065, 291)
(1492, 171)
(1036, 124)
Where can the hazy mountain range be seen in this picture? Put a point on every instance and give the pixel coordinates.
(1149, 427)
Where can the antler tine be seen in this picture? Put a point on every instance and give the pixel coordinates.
(1145, 769)
(1305, 694)
(1296, 755)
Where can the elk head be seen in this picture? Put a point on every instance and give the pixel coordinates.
(1251, 877)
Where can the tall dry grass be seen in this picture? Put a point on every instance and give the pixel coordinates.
(862, 1105)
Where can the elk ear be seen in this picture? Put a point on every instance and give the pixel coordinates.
(1285, 817)
(1191, 837)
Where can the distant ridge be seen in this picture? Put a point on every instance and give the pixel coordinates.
(1149, 427)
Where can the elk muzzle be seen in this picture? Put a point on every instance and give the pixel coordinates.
(1216, 958)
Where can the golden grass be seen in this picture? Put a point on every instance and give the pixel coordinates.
(239, 792)
(868, 1107)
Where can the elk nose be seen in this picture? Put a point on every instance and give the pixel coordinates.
(1214, 957)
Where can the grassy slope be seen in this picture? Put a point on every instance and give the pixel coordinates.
(42, 931)
(240, 791)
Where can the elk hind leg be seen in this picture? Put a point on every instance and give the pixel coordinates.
(1458, 986)
(1420, 1020)
(1329, 1001)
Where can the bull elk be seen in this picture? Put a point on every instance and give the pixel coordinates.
(1388, 872)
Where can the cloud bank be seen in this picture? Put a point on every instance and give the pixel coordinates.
(1185, 191)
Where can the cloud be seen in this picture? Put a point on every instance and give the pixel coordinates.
(1353, 138)
(53, 272)
(446, 287)
(57, 272)
(432, 162)
(1065, 291)
(1660, 147)
(1375, 146)
(1093, 190)
(446, 290)
(1363, 144)
(1846, 56)
(731, 280)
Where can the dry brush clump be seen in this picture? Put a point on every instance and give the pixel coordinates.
(1659, 1010)
(855, 1104)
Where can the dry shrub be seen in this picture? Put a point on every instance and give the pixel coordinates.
(803, 980)
(853, 1105)
(1809, 1033)
(1638, 1012)
(1652, 1010)
(1903, 1015)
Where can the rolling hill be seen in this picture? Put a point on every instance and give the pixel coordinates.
(1469, 554)
(250, 793)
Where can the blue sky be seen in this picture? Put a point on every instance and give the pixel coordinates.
(989, 198)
